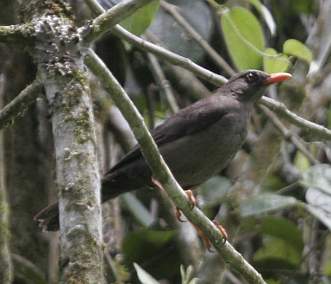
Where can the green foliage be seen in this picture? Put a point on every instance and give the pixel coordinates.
(297, 49)
(244, 37)
(138, 22)
(275, 62)
(264, 203)
(245, 41)
(214, 190)
(318, 195)
(283, 229)
(278, 251)
(301, 161)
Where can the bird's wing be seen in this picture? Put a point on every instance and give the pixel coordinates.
(188, 121)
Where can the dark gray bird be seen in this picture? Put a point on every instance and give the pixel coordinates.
(197, 142)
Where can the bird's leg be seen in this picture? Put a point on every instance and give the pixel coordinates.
(191, 199)
(190, 196)
(205, 239)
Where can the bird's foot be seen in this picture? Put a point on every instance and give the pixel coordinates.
(157, 184)
(207, 242)
(205, 239)
(191, 199)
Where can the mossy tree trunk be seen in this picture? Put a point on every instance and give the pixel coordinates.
(60, 67)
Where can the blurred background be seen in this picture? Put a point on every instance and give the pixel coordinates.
(274, 199)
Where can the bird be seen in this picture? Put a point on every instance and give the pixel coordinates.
(197, 142)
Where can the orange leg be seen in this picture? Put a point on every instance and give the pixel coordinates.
(189, 193)
(192, 200)
(205, 239)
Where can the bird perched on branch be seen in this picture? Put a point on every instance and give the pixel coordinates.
(196, 143)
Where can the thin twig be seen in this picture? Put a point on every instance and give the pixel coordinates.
(18, 106)
(163, 82)
(162, 173)
(169, 56)
(315, 130)
(103, 23)
(289, 135)
(173, 11)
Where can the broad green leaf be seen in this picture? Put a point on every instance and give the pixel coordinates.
(283, 229)
(297, 49)
(244, 38)
(318, 196)
(264, 203)
(274, 62)
(274, 248)
(319, 205)
(318, 176)
(265, 13)
(140, 20)
(143, 276)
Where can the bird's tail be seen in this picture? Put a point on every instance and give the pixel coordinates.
(113, 185)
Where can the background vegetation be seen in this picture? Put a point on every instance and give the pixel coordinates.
(273, 199)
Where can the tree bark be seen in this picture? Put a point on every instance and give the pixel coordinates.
(61, 69)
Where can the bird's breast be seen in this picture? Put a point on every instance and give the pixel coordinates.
(195, 158)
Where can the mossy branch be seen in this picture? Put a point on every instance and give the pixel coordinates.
(15, 33)
(17, 107)
(103, 23)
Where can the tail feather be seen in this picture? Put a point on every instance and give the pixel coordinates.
(113, 185)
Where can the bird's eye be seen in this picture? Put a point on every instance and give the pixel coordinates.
(251, 77)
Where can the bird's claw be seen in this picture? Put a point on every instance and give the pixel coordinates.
(191, 198)
(222, 231)
(192, 201)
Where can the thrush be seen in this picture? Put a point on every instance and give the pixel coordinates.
(197, 142)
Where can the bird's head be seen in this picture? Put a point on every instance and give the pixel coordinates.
(250, 85)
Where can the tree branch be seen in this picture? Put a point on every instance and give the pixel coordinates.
(162, 173)
(314, 130)
(163, 82)
(18, 106)
(63, 73)
(108, 19)
(288, 135)
(15, 33)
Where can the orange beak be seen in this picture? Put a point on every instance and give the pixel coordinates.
(277, 78)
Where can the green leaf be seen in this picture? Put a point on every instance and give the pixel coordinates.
(244, 38)
(301, 161)
(297, 49)
(275, 62)
(318, 176)
(264, 203)
(318, 196)
(319, 205)
(143, 276)
(283, 229)
(140, 20)
(274, 248)
(214, 190)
